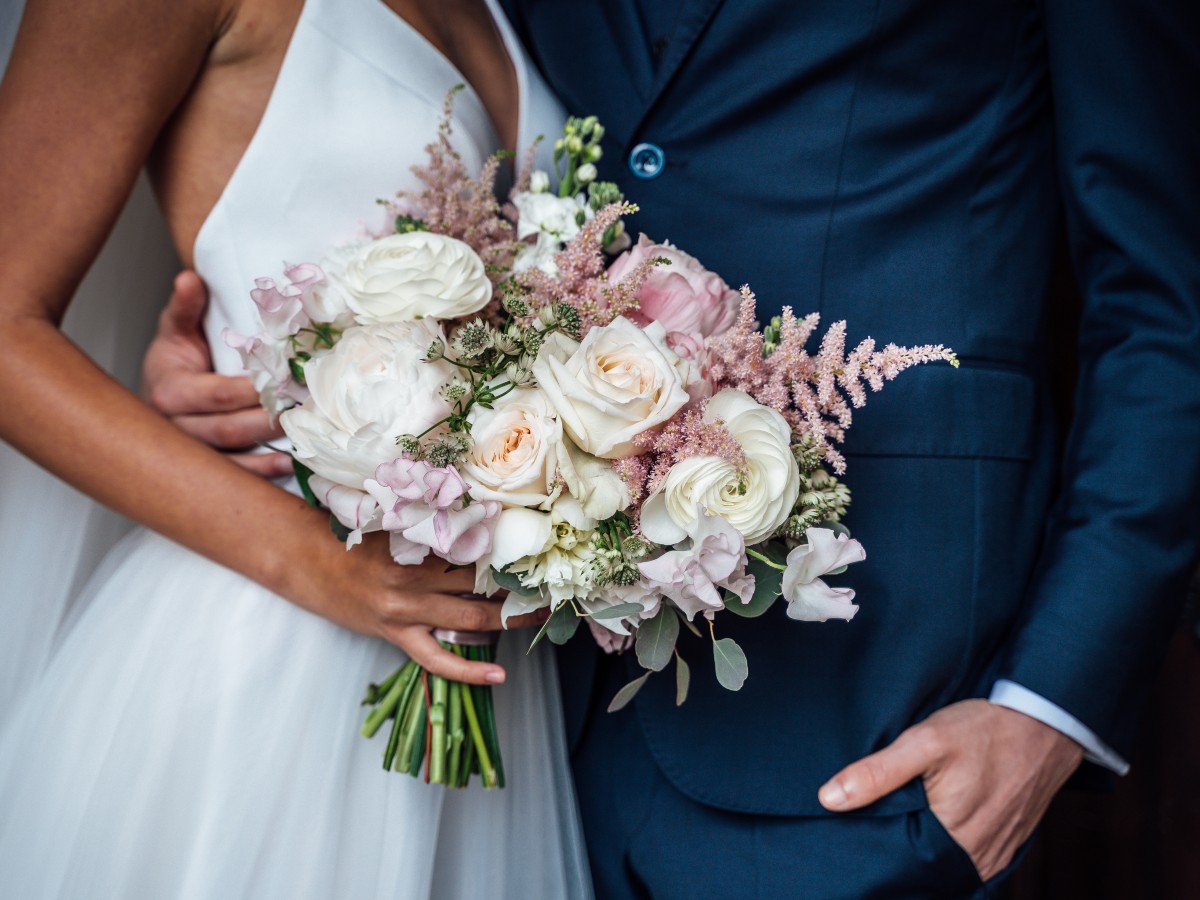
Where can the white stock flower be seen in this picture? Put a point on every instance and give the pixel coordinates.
(539, 182)
(544, 213)
(374, 385)
(538, 255)
(409, 276)
(756, 504)
(620, 381)
(809, 598)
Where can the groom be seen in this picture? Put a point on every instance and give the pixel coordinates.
(909, 166)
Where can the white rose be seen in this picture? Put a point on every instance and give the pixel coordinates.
(514, 450)
(559, 217)
(409, 276)
(755, 505)
(620, 381)
(592, 481)
(373, 386)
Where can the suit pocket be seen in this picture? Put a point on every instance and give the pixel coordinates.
(953, 871)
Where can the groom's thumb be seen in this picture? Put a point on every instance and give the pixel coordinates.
(872, 777)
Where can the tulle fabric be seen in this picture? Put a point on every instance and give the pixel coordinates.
(197, 737)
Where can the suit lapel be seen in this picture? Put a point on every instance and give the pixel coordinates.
(694, 16)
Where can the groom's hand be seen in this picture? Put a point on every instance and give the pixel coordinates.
(989, 773)
(178, 380)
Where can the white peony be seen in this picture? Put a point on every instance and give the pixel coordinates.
(620, 381)
(756, 504)
(409, 276)
(372, 387)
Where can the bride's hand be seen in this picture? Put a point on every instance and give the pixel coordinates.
(366, 591)
(178, 380)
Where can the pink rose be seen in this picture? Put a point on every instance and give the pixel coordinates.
(682, 294)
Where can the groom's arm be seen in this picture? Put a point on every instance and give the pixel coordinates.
(1125, 80)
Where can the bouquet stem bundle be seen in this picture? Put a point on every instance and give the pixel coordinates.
(443, 731)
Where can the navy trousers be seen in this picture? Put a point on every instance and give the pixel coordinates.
(648, 840)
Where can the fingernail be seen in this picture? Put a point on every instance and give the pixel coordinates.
(832, 795)
(495, 676)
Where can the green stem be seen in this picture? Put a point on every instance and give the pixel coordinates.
(487, 773)
(412, 727)
(400, 680)
(437, 719)
(458, 778)
(769, 562)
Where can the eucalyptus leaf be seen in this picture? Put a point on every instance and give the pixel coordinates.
(627, 693)
(730, 664)
(511, 582)
(683, 679)
(545, 628)
(618, 611)
(656, 640)
(768, 585)
(561, 626)
(340, 530)
(836, 527)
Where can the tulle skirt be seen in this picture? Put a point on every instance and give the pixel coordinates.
(195, 736)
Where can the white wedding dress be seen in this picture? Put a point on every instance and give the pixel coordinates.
(195, 736)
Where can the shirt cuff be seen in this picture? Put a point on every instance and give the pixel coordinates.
(1013, 696)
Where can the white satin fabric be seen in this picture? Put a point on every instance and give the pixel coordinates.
(193, 735)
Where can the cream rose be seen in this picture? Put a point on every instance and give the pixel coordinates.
(620, 381)
(409, 276)
(514, 450)
(374, 385)
(756, 504)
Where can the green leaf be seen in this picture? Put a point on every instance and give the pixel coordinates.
(561, 626)
(511, 582)
(656, 640)
(730, 663)
(618, 611)
(627, 693)
(545, 627)
(296, 367)
(768, 584)
(340, 530)
(836, 527)
(303, 473)
(683, 678)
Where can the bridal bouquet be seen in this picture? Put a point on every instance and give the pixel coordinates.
(598, 428)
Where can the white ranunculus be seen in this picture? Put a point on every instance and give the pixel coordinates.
(514, 450)
(755, 505)
(372, 387)
(409, 276)
(620, 381)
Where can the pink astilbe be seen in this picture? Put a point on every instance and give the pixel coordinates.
(455, 204)
(815, 394)
(581, 280)
(685, 436)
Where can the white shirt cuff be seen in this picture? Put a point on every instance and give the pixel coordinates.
(1013, 696)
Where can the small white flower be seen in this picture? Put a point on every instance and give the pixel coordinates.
(539, 182)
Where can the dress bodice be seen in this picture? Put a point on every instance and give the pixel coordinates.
(358, 97)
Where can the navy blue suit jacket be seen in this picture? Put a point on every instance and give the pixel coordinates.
(906, 165)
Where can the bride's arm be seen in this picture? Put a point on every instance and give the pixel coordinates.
(88, 90)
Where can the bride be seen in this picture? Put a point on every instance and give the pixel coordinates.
(195, 734)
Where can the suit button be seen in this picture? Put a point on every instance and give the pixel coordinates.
(647, 160)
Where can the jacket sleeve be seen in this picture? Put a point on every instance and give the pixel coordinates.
(1123, 536)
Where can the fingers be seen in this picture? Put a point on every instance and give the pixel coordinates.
(265, 465)
(184, 312)
(869, 779)
(530, 620)
(419, 644)
(456, 614)
(188, 393)
(231, 430)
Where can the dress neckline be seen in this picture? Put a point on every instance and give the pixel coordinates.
(383, 47)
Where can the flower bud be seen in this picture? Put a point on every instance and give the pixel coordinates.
(539, 182)
(574, 144)
(586, 173)
(593, 154)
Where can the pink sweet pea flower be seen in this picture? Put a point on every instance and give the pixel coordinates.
(809, 598)
(693, 576)
(425, 509)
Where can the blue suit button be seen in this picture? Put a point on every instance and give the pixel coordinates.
(647, 160)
